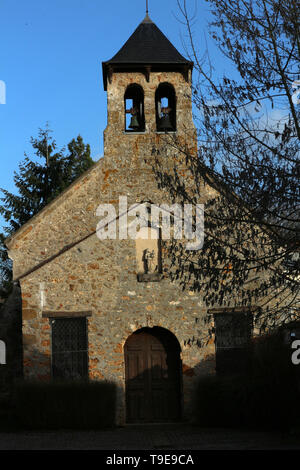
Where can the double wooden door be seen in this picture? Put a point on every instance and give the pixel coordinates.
(152, 367)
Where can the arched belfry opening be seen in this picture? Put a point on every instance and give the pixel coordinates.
(165, 106)
(153, 376)
(134, 109)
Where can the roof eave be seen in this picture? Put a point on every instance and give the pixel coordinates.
(188, 65)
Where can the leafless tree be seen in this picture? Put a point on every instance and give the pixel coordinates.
(248, 150)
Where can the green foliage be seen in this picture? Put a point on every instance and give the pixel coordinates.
(38, 181)
(5, 269)
(267, 398)
(65, 405)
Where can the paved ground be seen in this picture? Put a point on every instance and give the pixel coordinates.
(164, 437)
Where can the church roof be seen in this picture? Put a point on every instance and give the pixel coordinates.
(146, 46)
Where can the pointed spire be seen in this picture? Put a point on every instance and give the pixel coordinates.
(146, 46)
(147, 19)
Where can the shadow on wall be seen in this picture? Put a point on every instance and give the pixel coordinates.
(263, 395)
(262, 392)
(256, 387)
(153, 396)
(11, 334)
(65, 404)
(160, 396)
(158, 386)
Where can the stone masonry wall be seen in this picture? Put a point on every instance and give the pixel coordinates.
(63, 266)
(101, 276)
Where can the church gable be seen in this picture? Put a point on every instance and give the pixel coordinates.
(54, 228)
(106, 308)
(72, 218)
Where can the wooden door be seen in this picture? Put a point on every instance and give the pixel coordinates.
(152, 368)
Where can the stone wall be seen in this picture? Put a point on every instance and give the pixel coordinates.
(64, 267)
(11, 334)
(101, 276)
(136, 149)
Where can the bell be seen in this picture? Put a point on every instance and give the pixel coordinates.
(165, 123)
(134, 123)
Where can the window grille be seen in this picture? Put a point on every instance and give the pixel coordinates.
(233, 335)
(69, 348)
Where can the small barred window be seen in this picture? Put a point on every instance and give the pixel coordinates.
(69, 348)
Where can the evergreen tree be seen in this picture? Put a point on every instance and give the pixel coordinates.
(38, 183)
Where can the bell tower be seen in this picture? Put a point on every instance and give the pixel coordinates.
(148, 84)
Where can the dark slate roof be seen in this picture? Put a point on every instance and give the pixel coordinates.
(147, 46)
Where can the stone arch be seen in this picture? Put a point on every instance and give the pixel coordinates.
(134, 108)
(153, 376)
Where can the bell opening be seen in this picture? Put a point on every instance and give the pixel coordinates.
(134, 109)
(165, 101)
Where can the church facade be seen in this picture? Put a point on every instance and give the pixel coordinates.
(106, 308)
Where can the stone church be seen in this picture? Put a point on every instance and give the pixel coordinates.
(106, 308)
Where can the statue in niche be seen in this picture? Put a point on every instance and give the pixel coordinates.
(148, 260)
(148, 255)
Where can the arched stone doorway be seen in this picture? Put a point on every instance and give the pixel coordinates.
(153, 376)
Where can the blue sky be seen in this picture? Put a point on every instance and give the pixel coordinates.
(50, 60)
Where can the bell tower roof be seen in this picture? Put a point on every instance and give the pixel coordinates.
(147, 48)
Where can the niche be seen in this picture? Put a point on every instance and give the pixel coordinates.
(148, 254)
